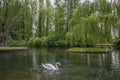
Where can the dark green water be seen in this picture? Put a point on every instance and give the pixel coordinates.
(75, 66)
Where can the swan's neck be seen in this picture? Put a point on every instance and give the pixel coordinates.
(56, 65)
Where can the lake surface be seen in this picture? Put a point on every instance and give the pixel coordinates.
(75, 66)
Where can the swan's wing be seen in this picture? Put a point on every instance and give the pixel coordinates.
(44, 66)
(49, 66)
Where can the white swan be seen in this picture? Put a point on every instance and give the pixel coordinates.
(49, 66)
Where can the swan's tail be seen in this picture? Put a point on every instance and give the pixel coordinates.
(42, 64)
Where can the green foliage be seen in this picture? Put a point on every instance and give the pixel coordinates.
(60, 43)
(45, 18)
(70, 39)
(35, 42)
(15, 21)
(43, 41)
(69, 23)
(17, 43)
(30, 43)
(116, 42)
(50, 41)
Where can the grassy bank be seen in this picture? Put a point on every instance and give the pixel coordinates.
(13, 49)
(89, 50)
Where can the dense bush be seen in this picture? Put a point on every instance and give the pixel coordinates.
(43, 40)
(60, 43)
(30, 43)
(50, 41)
(116, 42)
(37, 42)
(16, 43)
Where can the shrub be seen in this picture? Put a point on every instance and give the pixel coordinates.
(37, 42)
(30, 42)
(17, 43)
(50, 40)
(60, 43)
(43, 41)
(116, 42)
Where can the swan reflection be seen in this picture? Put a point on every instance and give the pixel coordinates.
(51, 72)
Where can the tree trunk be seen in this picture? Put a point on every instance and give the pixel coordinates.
(5, 36)
(5, 27)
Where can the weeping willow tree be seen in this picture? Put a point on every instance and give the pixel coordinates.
(82, 25)
(84, 31)
(91, 23)
(117, 14)
(105, 16)
(70, 5)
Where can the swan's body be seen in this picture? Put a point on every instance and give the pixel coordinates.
(49, 66)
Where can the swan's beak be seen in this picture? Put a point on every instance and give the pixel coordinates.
(60, 65)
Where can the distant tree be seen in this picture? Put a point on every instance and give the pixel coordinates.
(15, 20)
(59, 16)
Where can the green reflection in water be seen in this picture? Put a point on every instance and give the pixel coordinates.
(75, 66)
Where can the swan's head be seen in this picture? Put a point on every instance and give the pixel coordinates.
(58, 63)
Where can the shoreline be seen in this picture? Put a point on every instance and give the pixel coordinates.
(13, 49)
(89, 50)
